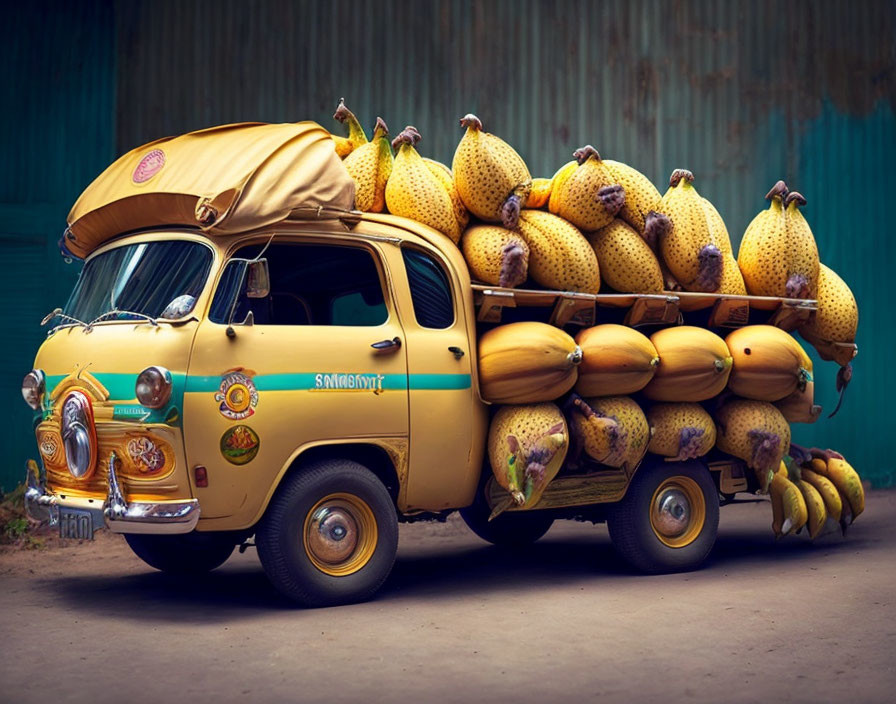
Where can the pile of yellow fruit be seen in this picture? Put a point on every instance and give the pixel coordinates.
(597, 223)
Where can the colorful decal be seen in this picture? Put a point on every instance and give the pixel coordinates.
(239, 444)
(145, 455)
(48, 446)
(237, 396)
(149, 166)
(349, 382)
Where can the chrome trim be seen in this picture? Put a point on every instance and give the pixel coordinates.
(146, 517)
(116, 514)
(39, 505)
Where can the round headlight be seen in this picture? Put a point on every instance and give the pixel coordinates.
(78, 435)
(33, 388)
(154, 387)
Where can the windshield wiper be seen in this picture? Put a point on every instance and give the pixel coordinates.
(57, 313)
(116, 311)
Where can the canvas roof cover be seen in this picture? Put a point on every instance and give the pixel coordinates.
(223, 180)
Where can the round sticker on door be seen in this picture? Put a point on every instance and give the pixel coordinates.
(237, 396)
(149, 166)
(239, 444)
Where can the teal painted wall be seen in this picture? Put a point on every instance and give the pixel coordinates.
(57, 131)
(741, 92)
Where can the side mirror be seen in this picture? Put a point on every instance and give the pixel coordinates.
(258, 279)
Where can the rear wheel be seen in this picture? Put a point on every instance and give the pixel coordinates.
(190, 553)
(669, 517)
(509, 529)
(330, 535)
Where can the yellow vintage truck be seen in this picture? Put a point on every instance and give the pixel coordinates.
(244, 354)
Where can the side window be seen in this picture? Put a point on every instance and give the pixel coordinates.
(311, 284)
(430, 290)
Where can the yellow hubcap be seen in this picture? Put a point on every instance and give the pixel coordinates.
(677, 512)
(340, 534)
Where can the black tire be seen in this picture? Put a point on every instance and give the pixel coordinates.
(190, 553)
(286, 539)
(631, 525)
(511, 529)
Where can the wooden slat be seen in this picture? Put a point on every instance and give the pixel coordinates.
(576, 490)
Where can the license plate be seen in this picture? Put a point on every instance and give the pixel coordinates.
(75, 523)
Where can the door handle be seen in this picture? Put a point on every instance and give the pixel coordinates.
(392, 344)
(456, 351)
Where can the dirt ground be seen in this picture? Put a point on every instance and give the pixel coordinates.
(461, 621)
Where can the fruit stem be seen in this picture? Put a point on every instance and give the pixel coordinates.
(380, 129)
(510, 211)
(793, 196)
(797, 286)
(513, 265)
(612, 197)
(710, 264)
(679, 174)
(409, 135)
(779, 190)
(584, 153)
(656, 226)
(471, 121)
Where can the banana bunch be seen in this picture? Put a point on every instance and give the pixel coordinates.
(823, 489)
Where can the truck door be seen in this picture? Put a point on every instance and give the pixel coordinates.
(324, 361)
(446, 416)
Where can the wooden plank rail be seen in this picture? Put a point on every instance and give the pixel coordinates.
(574, 308)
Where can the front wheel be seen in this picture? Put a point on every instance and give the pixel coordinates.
(330, 535)
(190, 553)
(669, 517)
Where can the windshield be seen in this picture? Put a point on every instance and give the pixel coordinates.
(143, 278)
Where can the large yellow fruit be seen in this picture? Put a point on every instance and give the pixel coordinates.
(641, 208)
(443, 173)
(527, 362)
(415, 192)
(586, 192)
(495, 255)
(769, 364)
(692, 249)
(540, 194)
(627, 263)
(492, 179)
(732, 280)
(778, 255)
(621, 442)
(616, 360)
(717, 227)
(694, 365)
(800, 406)
(356, 137)
(815, 506)
(526, 448)
(680, 430)
(754, 431)
(370, 166)
(560, 257)
(836, 319)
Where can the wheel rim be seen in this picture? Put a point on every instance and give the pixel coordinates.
(677, 512)
(340, 534)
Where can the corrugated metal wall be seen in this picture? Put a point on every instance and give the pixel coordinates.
(741, 93)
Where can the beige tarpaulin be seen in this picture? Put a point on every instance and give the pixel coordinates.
(223, 179)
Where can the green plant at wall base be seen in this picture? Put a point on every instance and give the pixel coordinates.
(16, 528)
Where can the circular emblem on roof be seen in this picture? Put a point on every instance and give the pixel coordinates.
(149, 166)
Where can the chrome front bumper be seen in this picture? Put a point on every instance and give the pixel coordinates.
(115, 513)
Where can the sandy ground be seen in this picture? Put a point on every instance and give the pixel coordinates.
(460, 621)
